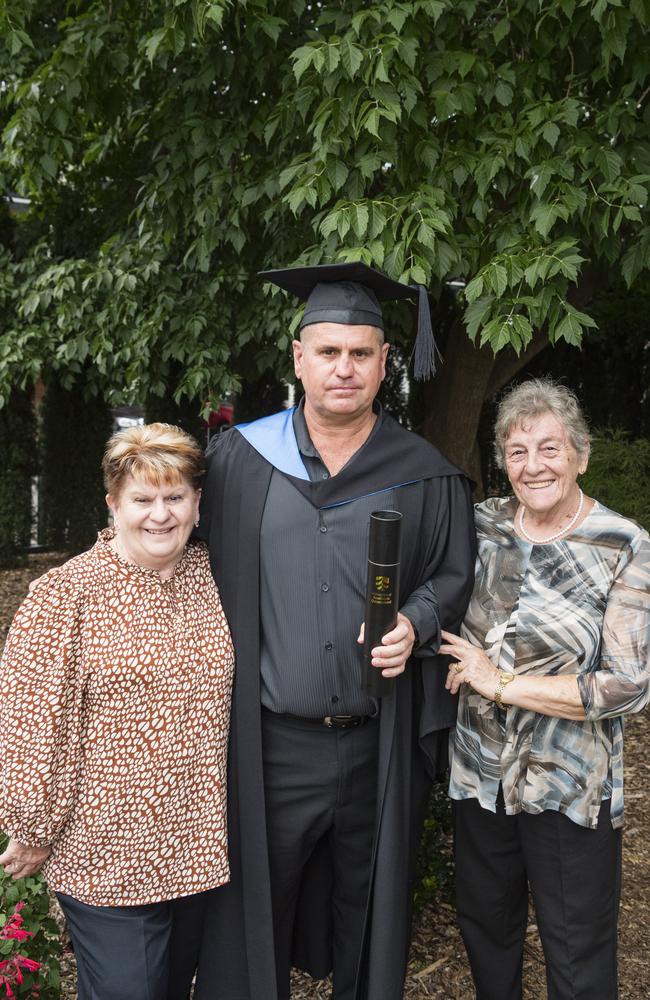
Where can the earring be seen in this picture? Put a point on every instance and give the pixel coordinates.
(197, 522)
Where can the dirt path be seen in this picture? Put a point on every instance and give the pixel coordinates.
(438, 967)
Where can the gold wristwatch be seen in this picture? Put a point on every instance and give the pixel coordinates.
(504, 678)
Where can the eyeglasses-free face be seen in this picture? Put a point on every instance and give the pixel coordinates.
(543, 467)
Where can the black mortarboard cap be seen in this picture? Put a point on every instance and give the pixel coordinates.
(351, 294)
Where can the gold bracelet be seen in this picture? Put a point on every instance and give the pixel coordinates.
(505, 677)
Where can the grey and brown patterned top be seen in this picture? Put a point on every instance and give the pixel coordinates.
(577, 606)
(114, 728)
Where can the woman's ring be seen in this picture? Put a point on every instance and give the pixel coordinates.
(457, 667)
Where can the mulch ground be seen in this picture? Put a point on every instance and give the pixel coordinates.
(438, 966)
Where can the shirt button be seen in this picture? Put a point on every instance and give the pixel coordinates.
(326, 475)
(323, 528)
(325, 587)
(334, 699)
(328, 646)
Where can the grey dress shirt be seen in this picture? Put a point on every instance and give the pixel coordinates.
(312, 600)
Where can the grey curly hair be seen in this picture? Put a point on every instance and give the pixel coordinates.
(532, 399)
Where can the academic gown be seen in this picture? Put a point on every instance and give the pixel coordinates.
(438, 542)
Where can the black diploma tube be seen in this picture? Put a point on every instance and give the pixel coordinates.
(382, 594)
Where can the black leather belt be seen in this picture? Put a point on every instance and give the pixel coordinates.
(330, 721)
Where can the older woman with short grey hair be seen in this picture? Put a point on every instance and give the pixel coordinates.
(553, 653)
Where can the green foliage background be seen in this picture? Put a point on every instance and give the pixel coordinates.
(172, 149)
(18, 463)
(619, 474)
(74, 429)
(44, 946)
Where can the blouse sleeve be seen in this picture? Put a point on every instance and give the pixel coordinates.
(621, 684)
(40, 711)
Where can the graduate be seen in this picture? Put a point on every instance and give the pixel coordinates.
(327, 785)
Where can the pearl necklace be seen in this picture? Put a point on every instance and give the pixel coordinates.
(558, 534)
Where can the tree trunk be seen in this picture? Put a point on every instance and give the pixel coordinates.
(454, 399)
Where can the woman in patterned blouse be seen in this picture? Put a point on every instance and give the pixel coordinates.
(116, 682)
(554, 652)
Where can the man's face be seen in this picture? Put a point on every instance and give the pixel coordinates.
(341, 368)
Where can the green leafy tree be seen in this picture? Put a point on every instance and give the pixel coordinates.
(18, 459)
(74, 429)
(171, 150)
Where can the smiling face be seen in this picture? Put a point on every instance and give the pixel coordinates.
(341, 368)
(542, 467)
(154, 522)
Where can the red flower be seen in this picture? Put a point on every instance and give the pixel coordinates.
(13, 928)
(28, 963)
(11, 971)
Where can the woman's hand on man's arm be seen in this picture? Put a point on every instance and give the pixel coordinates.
(557, 696)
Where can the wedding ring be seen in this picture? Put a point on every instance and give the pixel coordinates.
(457, 667)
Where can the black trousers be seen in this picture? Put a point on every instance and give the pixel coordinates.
(320, 783)
(135, 952)
(574, 874)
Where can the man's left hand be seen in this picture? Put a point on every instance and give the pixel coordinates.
(396, 646)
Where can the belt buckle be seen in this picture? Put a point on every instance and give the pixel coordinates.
(340, 721)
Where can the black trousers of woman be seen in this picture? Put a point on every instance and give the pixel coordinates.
(135, 952)
(574, 874)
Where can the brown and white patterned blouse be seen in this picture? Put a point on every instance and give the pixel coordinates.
(114, 713)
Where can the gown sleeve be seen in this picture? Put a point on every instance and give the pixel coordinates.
(621, 683)
(40, 711)
(441, 601)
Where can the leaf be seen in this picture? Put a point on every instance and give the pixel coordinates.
(396, 18)
(460, 174)
(582, 318)
(474, 288)
(425, 235)
(360, 219)
(302, 60)
(337, 172)
(610, 163)
(351, 57)
(154, 42)
(343, 222)
(523, 328)
(371, 122)
(503, 93)
(466, 61)
(333, 57)
(497, 277)
(635, 259)
(540, 177)
(551, 133)
(445, 258)
(445, 104)
(501, 29)
(48, 165)
(569, 329)
(434, 8)
(476, 313)
(378, 252)
(201, 171)
(271, 26)
(543, 218)
(418, 275)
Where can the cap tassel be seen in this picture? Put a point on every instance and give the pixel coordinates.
(425, 345)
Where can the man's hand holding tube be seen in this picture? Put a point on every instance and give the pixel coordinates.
(396, 647)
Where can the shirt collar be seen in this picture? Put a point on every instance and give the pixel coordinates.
(305, 443)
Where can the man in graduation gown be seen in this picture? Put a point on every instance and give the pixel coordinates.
(327, 786)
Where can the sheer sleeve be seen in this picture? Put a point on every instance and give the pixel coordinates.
(40, 711)
(621, 684)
